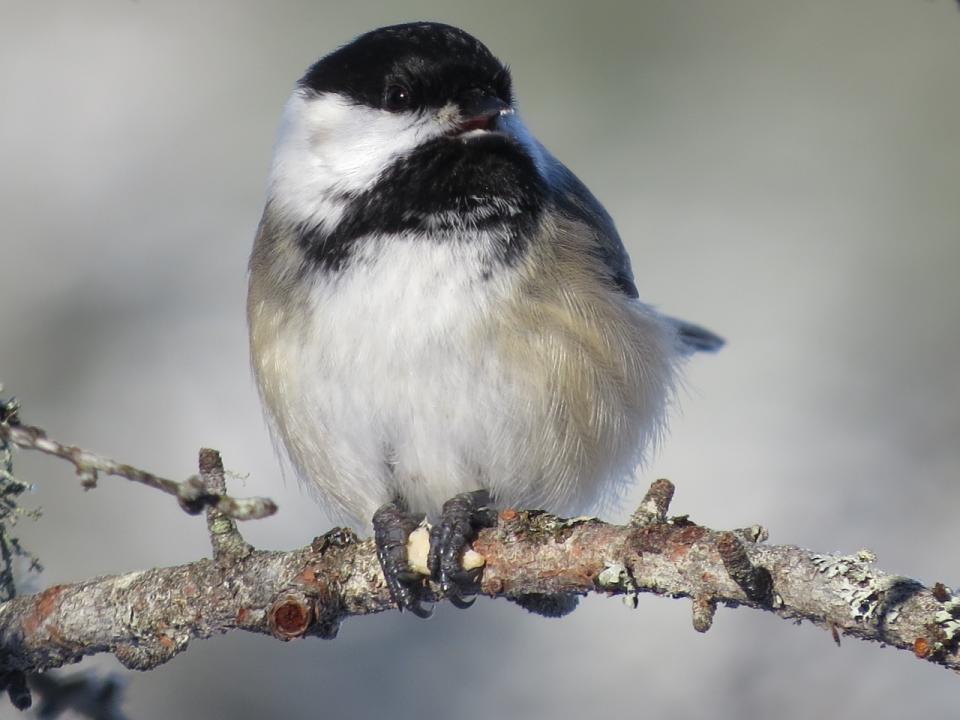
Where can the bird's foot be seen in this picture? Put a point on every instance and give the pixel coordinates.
(449, 560)
(392, 526)
(460, 520)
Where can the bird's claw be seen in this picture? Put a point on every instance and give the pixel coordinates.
(462, 516)
(462, 603)
(392, 526)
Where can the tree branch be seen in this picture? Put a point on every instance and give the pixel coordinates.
(146, 618)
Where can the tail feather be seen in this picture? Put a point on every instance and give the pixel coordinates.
(694, 338)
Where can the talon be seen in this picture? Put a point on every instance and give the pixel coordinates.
(419, 610)
(392, 525)
(462, 603)
(462, 516)
(463, 578)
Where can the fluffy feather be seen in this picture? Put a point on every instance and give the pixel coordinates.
(434, 312)
(415, 376)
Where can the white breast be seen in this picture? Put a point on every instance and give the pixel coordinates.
(391, 389)
(418, 377)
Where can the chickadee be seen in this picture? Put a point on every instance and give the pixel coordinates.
(443, 319)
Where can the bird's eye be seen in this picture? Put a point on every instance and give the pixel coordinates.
(397, 98)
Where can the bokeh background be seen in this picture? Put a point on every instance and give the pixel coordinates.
(786, 173)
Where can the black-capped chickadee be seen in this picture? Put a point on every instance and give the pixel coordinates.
(443, 318)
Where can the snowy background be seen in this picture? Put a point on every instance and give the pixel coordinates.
(785, 173)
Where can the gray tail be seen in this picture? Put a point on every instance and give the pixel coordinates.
(694, 338)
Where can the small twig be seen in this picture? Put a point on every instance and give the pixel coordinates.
(655, 504)
(704, 608)
(191, 494)
(835, 634)
(228, 544)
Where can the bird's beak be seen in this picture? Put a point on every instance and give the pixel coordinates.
(479, 111)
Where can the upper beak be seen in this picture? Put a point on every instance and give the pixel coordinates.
(479, 111)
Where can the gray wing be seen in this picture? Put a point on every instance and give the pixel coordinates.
(574, 199)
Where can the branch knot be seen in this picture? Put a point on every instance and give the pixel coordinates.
(755, 582)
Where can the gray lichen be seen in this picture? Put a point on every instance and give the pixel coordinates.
(148, 617)
(10, 511)
(861, 590)
(871, 595)
(615, 577)
(853, 567)
(949, 619)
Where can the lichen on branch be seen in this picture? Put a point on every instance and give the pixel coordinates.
(146, 618)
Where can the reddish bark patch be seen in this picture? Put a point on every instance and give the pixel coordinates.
(689, 534)
(44, 606)
(664, 537)
(313, 583)
(650, 539)
(678, 552)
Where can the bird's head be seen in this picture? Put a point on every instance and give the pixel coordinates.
(411, 124)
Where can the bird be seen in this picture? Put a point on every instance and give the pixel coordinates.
(443, 319)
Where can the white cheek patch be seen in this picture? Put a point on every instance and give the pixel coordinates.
(328, 146)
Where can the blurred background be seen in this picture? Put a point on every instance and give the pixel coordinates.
(785, 173)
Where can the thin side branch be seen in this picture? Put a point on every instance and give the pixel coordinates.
(228, 544)
(147, 618)
(191, 493)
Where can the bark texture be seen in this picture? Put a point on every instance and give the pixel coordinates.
(146, 618)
